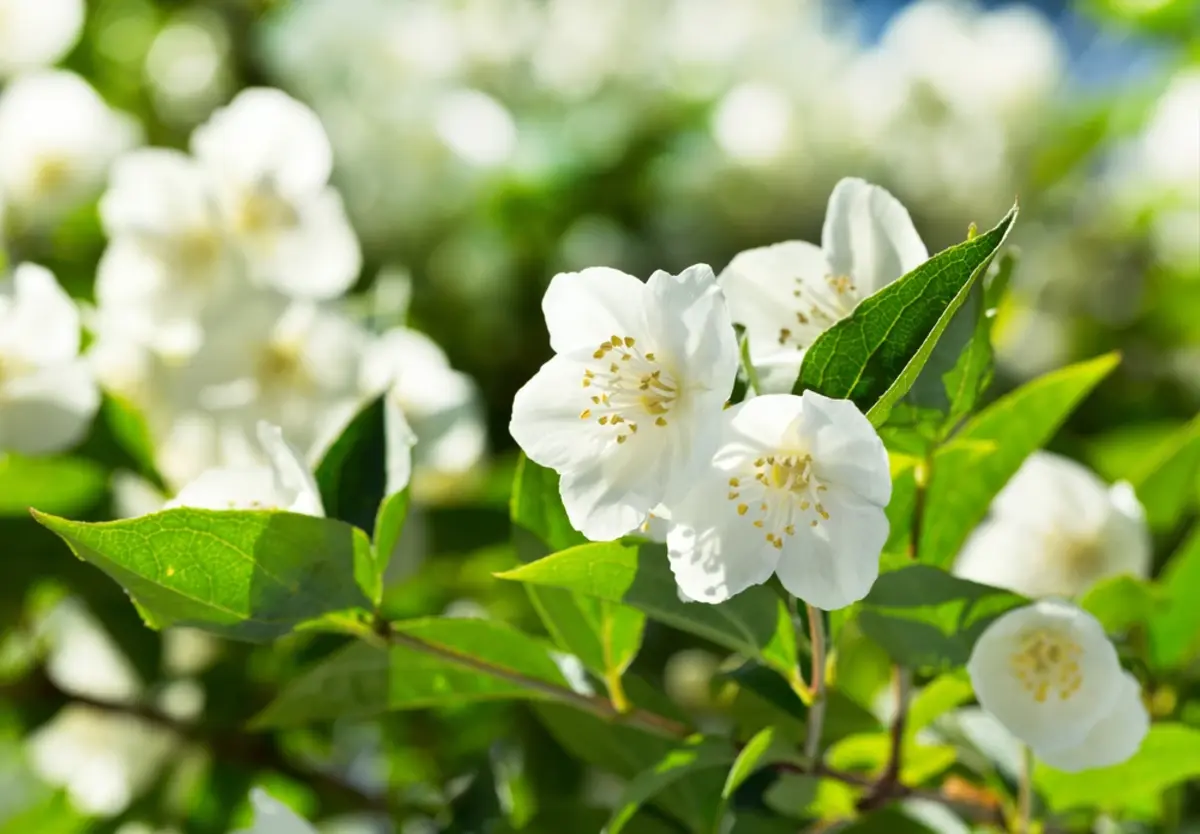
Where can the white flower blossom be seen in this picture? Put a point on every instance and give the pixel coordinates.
(1055, 530)
(1113, 739)
(36, 33)
(286, 483)
(789, 293)
(270, 161)
(796, 489)
(627, 411)
(57, 139)
(1049, 674)
(273, 817)
(47, 394)
(429, 404)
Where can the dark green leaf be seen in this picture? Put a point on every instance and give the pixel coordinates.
(925, 618)
(352, 474)
(252, 575)
(59, 485)
(695, 755)
(969, 470)
(1175, 626)
(1167, 484)
(1121, 602)
(755, 622)
(362, 680)
(874, 355)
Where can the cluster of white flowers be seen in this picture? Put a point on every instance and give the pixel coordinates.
(219, 307)
(631, 411)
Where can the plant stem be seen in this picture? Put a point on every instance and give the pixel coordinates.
(816, 710)
(1025, 791)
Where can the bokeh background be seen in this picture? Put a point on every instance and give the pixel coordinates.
(481, 146)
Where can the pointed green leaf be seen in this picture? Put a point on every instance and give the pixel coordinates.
(695, 755)
(969, 470)
(938, 697)
(1168, 484)
(352, 474)
(389, 524)
(60, 485)
(875, 354)
(764, 749)
(1175, 626)
(252, 575)
(755, 622)
(361, 680)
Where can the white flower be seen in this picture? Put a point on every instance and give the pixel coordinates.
(169, 259)
(83, 659)
(1055, 530)
(47, 394)
(1113, 739)
(273, 817)
(57, 139)
(627, 411)
(797, 489)
(430, 404)
(36, 33)
(286, 483)
(1050, 675)
(103, 759)
(789, 293)
(270, 160)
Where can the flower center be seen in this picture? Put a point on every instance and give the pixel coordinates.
(1047, 661)
(820, 306)
(779, 492)
(261, 212)
(1081, 556)
(280, 366)
(50, 173)
(628, 387)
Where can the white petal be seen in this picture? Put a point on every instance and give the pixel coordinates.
(265, 136)
(1126, 538)
(319, 258)
(1006, 554)
(1054, 493)
(156, 192)
(1057, 720)
(583, 309)
(610, 498)
(772, 422)
(37, 33)
(546, 420)
(242, 488)
(294, 481)
(273, 817)
(715, 553)
(48, 411)
(777, 370)
(1114, 738)
(835, 563)
(690, 322)
(868, 236)
(846, 449)
(400, 440)
(39, 323)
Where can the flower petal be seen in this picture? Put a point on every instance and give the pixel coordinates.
(1054, 493)
(39, 323)
(293, 479)
(583, 309)
(546, 420)
(610, 497)
(1126, 538)
(240, 488)
(835, 563)
(1055, 721)
(319, 258)
(400, 440)
(846, 449)
(869, 237)
(690, 322)
(273, 817)
(1113, 739)
(157, 192)
(48, 411)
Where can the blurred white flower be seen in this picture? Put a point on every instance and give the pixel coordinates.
(47, 393)
(439, 408)
(1049, 674)
(36, 33)
(273, 817)
(752, 123)
(57, 139)
(285, 484)
(476, 127)
(270, 162)
(103, 760)
(1055, 530)
(796, 489)
(1114, 738)
(83, 659)
(627, 409)
(789, 293)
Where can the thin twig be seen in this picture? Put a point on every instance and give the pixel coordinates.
(816, 710)
(889, 780)
(1025, 791)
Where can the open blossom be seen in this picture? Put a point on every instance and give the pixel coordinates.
(270, 160)
(1055, 530)
(273, 817)
(628, 409)
(796, 489)
(283, 483)
(788, 293)
(47, 394)
(1049, 674)
(57, 139)
(36, 33)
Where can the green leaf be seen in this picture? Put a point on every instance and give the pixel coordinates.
(1175, 626)
(60, 485)
(966, 382)
(695, 755)
(941, 695)
(755, 622)
(760, 751)
(1167, 484)
(925, 618)
(604, 635)
(1169, 755)
(128, 425)
(869, 753)
(352, 474)
(389, 524)
(252, 575)
(875, 354)
(970, 469)
(361, 680)
(1121, 602)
